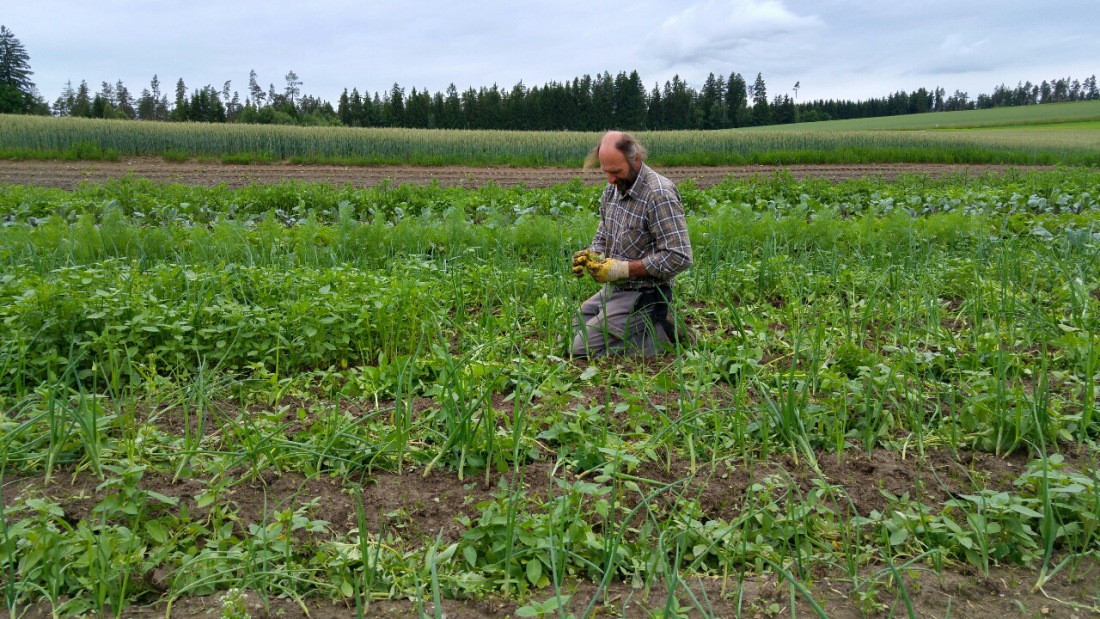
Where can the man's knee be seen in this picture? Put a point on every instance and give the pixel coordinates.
(588, 344)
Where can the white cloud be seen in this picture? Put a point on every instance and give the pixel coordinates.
(960, 54)
(729, 30)
(959, 45)
(835, 48)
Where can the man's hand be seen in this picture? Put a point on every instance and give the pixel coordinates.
(606, 270)
(580, 260)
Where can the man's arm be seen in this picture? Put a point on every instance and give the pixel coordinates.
(673, 253)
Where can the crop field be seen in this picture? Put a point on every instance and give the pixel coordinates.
(311, 399)
(942, 137)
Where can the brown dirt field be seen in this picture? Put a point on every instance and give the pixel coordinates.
(421, 507)
(70, 174)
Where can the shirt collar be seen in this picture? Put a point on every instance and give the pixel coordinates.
(635, 189)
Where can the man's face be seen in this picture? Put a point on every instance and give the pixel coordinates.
(620, 172)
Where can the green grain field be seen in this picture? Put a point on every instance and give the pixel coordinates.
(1053, 134)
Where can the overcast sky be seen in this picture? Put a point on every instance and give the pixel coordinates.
(843, 49)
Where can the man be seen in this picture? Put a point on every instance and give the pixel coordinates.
(640, 246)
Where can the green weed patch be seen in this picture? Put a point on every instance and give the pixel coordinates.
(311, 392)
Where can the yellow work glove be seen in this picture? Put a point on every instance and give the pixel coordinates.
(580, 259)
(606, 270)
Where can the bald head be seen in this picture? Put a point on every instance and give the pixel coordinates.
(620, 142)
(620, 157)
(610, 142)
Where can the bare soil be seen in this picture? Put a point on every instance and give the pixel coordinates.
(419, 507)
(70, 174)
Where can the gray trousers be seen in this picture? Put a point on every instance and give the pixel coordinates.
(607, 324)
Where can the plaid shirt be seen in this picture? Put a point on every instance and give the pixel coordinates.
(646, 223)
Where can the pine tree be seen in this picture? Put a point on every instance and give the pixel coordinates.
(358, 109)
(205, 106)
(1091, 93)
(63, 106)
(293, 87)
(233, 108)
(101, 107)
(711, 105)
(439, 110)
(254, 89)
(452, 109)
(18, 94)
(655, 115)
(124, 102)
(782, 110)
(630, 106)
(761, 115)
(82, 104)
(679, 104)
(394, 108)
(180, 113)
(152, 105)
(603, 102)
(492, 107)
(417, 110)
(146, 105)
(736, 100)
(342, 109)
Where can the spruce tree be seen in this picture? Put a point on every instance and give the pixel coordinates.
(18, 94)
(63, 106)
(736, 99)
(82, 103)
(761, 114)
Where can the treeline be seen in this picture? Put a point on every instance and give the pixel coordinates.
(1061, 90)
(583, 104)
(596, 103)
(206, 104)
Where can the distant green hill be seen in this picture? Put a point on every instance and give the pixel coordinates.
(1085, 112)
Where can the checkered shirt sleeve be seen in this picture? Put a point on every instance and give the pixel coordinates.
(647, 223)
